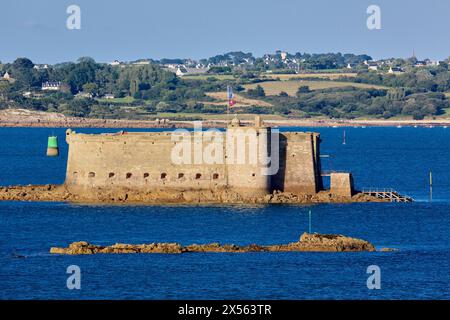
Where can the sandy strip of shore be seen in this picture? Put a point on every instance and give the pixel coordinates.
(27, 118)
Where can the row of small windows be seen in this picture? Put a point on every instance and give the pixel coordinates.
(147, 175)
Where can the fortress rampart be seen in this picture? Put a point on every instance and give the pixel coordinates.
(145, 161)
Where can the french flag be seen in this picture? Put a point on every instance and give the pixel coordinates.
(230, 96)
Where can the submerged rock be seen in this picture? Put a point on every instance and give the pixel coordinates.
(308, 242)
(388, 249)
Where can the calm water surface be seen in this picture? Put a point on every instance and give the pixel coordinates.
(400, 158)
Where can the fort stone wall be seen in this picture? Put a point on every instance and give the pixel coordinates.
(144, 161)
(135, 160)
(341, 184)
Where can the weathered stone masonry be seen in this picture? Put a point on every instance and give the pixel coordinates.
(142, 161)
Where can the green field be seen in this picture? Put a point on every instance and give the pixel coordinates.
(206, 76)
(117, 100)
(319, 75)
(331, 75)
(291, 86)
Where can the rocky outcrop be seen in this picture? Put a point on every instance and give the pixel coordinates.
(46, 192)
(84, 247)
(333, 242)
(307, 243)
(388, 249)
(62, 193)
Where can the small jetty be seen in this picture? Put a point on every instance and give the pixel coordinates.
(387, 194)
(308, 242)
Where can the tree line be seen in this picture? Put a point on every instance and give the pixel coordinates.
(149, 89)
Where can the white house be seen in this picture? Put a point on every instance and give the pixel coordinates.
(420, 64)
(32, 94)
(393, 70)
(40, 66)
(51, 86)
(371, 65)
(182, 71)
(141, 62)
(115, 63)
(7, 77)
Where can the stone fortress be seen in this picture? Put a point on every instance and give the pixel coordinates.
(143, 161)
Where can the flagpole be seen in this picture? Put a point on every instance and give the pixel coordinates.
(228, 105)
(230, 99)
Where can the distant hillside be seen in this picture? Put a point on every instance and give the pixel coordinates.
(297, 85)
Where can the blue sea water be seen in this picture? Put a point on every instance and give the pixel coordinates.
(400, 158)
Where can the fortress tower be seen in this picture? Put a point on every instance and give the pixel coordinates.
(246, 151)
(300, 170)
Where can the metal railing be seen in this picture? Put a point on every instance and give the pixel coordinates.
(387, 193)
(379, 190)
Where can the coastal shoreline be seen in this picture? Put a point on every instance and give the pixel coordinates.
(35, 119)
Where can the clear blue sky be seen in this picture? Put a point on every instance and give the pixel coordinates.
(132, 29)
